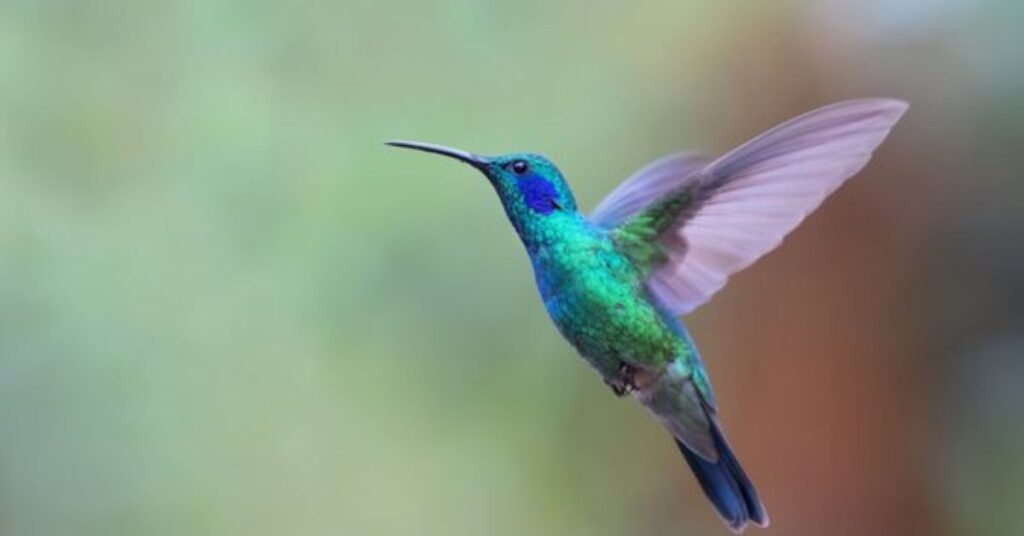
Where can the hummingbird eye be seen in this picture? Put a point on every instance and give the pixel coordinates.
(520, 167)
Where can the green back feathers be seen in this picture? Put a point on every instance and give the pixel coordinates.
(638, 237)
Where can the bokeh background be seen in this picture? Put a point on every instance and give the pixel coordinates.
(226, 308)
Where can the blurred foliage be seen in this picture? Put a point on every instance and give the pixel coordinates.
(226, 308)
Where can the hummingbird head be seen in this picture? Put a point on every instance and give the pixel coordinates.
(530, 187)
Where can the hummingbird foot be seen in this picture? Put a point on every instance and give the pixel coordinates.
(619, 389)
(623, 384)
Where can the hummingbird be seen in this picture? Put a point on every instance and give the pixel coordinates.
(615, 283)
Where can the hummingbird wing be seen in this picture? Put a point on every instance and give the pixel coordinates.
(698, 227)
(642, 188)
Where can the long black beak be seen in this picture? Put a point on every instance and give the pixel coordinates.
(476, 161)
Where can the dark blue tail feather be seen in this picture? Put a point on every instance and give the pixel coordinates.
(726, 485)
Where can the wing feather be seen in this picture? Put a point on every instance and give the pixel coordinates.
(645, 187)
(746, 202)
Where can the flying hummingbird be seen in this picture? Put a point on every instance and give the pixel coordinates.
(660, 245)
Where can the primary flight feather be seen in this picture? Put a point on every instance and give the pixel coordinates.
(660, 245)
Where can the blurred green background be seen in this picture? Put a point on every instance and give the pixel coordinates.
(227, 308)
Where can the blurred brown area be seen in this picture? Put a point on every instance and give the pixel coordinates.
(839, 381)
(841, 364)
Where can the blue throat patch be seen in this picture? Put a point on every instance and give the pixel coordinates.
(539, 193)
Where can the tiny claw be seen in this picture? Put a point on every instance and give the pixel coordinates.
(617, 388)
(629, 373)
(623, 385)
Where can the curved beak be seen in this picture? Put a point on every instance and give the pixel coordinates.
(476, 161)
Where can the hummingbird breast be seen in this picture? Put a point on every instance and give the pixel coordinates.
(597, 299)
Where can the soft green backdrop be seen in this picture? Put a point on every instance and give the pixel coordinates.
(226, 308)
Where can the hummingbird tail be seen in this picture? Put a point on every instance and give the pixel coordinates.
(687, 411)
(725, 484)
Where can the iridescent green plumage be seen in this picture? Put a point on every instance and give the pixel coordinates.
(638, 237)
(595, 293)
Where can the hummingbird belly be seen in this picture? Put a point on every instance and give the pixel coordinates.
(596, 298)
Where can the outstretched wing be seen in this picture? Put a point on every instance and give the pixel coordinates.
(692, 229)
